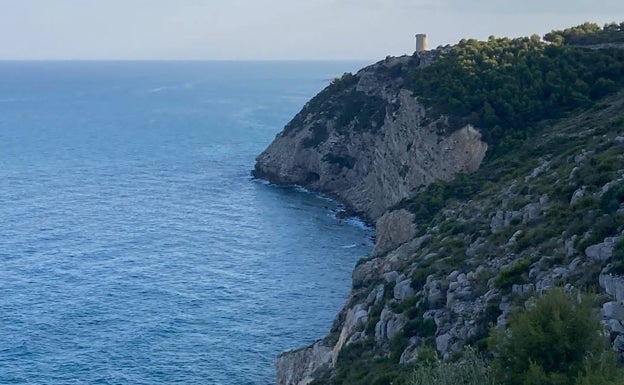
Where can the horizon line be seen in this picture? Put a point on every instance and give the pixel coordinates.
(191, 60)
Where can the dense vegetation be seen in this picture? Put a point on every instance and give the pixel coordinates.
(588, 34)
(558, 341)
(353, 107)
(505, 86)
(508, 88)
(471, 369)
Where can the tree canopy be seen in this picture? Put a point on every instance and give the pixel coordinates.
(588, 34)
(505, 86)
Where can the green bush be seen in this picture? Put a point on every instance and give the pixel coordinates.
(612, 198)
(406, 305)
(601, 370)
(471, 369)
(518, 273)
(605, 226)
(553, 343)
(428, 202)
(319, 135)
(420, 327)
(617, 261)
(357, 365)
(419, 277)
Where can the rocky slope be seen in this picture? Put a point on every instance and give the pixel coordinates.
(547, 213)
(374, 150)
(480, 259)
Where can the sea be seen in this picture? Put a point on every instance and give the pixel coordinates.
(136, 248)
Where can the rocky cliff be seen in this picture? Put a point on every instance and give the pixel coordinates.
(375, 149)
(461, 255)
(481, 259)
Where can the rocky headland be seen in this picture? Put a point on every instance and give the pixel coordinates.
(480, 204)
(376, 149)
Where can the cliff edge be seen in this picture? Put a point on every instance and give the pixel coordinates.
(367, 141)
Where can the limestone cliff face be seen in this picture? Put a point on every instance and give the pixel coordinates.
(368, 142)
(303, 365)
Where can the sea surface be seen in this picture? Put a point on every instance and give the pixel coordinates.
(135, 248)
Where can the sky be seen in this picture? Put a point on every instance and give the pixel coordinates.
(271, 29)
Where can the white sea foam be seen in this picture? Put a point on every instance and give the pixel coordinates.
(357, 222)
(183, 86)
(245, 116)
(302, 189)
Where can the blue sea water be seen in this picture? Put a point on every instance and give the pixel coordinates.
(135, 248)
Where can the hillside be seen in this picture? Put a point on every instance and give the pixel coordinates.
(495, 173)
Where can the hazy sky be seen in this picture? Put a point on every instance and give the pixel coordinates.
(271, 29)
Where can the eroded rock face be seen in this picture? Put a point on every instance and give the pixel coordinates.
(302, 366)
(613, 285)
(370, 162)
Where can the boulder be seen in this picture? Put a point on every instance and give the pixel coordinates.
(502, 219)
(389, 325)
(613, 310)
(442, 343)
(403, 290)
(410, 354)
(613, 285)
(577, 195)
(393, 229)
(601, 252)
(531, 213)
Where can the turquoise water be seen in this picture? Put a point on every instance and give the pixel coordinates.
(135, 248)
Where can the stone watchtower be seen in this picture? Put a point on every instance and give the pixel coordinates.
(421, 42)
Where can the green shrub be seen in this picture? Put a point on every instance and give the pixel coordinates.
(375, 316)
(420, 327)
(471, 369)
(601, 370)
(605, 226)
(617, 261)
(428, 202)
(319, 135)
(357, 365)
(612, 198)
(419, 277)
(406, 305)
(518, 273)
(551, 343)
(399, 343)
